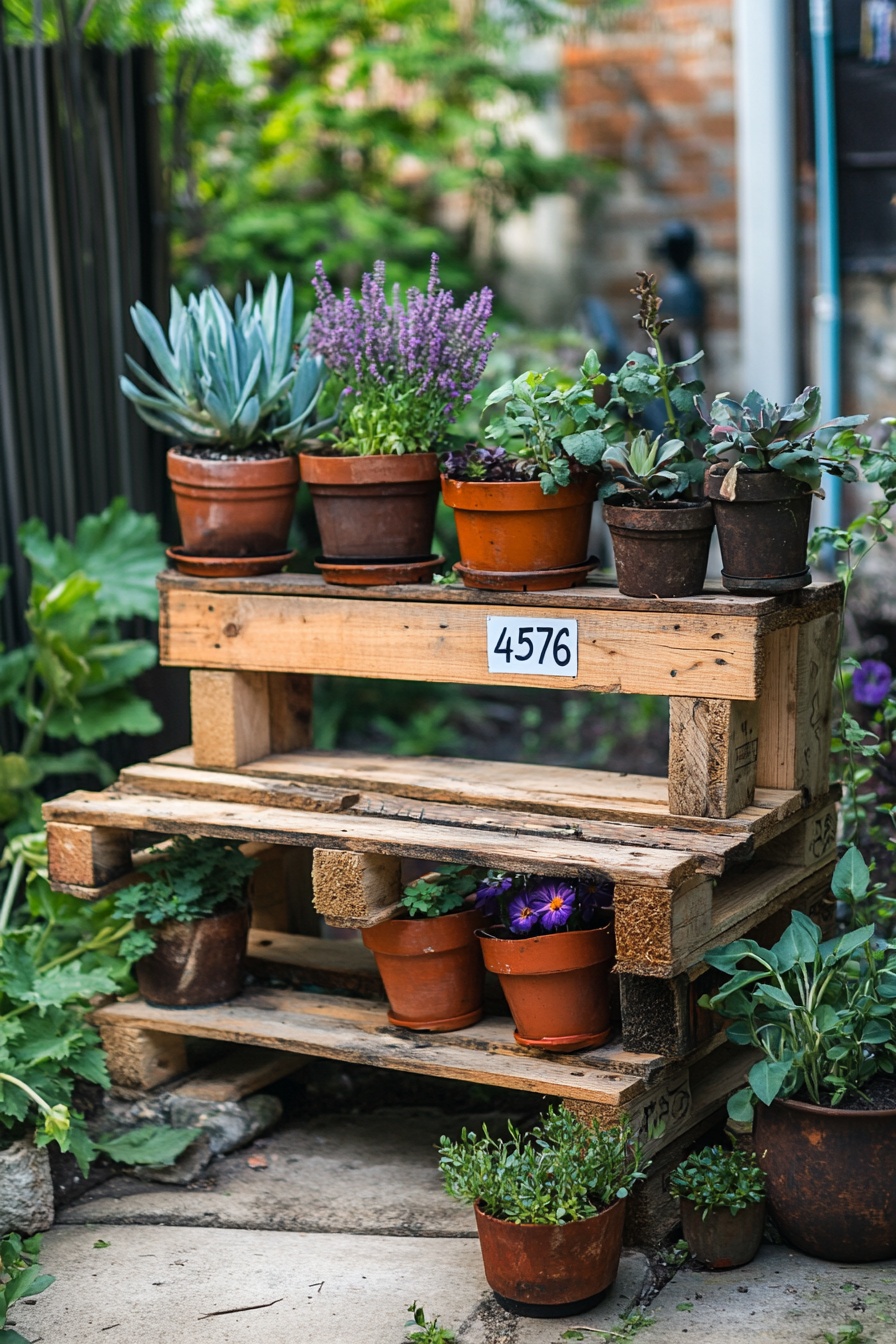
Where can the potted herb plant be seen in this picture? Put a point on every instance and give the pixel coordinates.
(408, 368)
(552, 950)
(660, 536)
(238, 396)
(722, 1196)
(822, 1016)
(549, 1208)
(523, 506)
(766, 463)
(192, 918)
(428, 957)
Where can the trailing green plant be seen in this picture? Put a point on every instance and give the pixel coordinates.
(631, 1324)
(822, 1014)
(20, 1277)
(426, 1332)
(232, 380)
(719, 1178)
(185, 881)
(649, 473)
(759, 435)
(560, 1172)
(442, 892)
(72, 680)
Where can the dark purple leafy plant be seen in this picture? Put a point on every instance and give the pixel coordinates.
(408, 367)
(473, 462)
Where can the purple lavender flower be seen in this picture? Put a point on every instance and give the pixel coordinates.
(553, 902)
(871, 682)
(489, 894)
(521, 913)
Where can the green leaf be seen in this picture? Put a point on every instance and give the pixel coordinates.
(850, 942)
(740, 1106)
(148, 1145)
(766, 1078)
(851, 876)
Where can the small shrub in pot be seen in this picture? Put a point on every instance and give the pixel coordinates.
(192, 917)
(549, 1208)
(428, 957)
(722, 1194)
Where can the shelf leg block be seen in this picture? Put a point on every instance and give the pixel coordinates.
(796, 705)
(87, 856)
(355, 891)
(142, 1059)
(657, 926)
(713, 749)
(240, 717)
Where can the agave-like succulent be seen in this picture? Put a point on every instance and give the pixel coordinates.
(232, 379)
(648, 471)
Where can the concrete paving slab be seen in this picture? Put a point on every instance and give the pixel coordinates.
(781, 1298)
(375, 1173)
(155, 1284)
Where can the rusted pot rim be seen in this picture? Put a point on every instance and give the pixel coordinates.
(836, 1112)
(556, 952)
(505, 1222)
(515, 496)
(266, 471)
(754, 487)
(406, 937)
(690, 517)
(375, 469)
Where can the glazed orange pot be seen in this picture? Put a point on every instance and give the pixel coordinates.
(556, 985)
(513, 526)
(545, 1270)
(431, 968)
(381, 507)
(243, 506)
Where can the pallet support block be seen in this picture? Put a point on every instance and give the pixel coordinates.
(139, 1058)
(87, 856)
(239, 717)
(795, 706)
(655, 924)
(713, 746)
(356, 891)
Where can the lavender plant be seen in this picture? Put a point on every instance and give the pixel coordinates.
(408, 366)
(528, 906)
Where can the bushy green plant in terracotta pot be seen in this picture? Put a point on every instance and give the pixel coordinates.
(550, 1207)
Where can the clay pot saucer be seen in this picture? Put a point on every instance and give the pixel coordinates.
(369, 573)
(227, 566)
(525, 581)
(564, 1045)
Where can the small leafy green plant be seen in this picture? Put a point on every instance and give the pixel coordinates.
(649, 473)
(719, 1178)
(758, 435)
(426, 1332)
(20, 1277)
(560, 1172)
(821, 1013)
(442, 892)
(189, 880)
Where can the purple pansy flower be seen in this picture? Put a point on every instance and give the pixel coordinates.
(871, 682)
(522, 915)
(595, 896)
(553, 902)
(488, 895)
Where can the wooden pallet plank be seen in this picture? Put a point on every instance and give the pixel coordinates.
(299, 959)
(242, 1071)
(712, 755)
(551, 790)
(718, 656)
(795, 707)
(373, 835)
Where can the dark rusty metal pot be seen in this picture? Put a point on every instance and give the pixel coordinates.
(830, 1178)
(660, 552)
(723, 1240)
(535, 1270)
(432, 969)
(197, 963)
(763, 531)
(381, 507)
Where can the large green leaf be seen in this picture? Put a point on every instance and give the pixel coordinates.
(767, 1078)
(851, 876)
(119, 711)
(148, 1145)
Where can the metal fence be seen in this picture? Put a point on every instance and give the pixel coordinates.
(82, 235)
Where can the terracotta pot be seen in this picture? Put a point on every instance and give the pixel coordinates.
(556, 986)
(763, 532)
(830, 1177)
(432, 969)
(513, 526)
(723, 1240)
(240, 507)
(660, 552)
(535, 1270)
(197, 963)
(374, 508)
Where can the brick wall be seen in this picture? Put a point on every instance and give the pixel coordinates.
(654, 93)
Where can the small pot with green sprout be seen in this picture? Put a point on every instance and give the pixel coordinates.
(549, 1206)
(660, 534)
(428, 956)
(722, 1195)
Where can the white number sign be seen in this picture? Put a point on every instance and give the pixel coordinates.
(520, 644)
